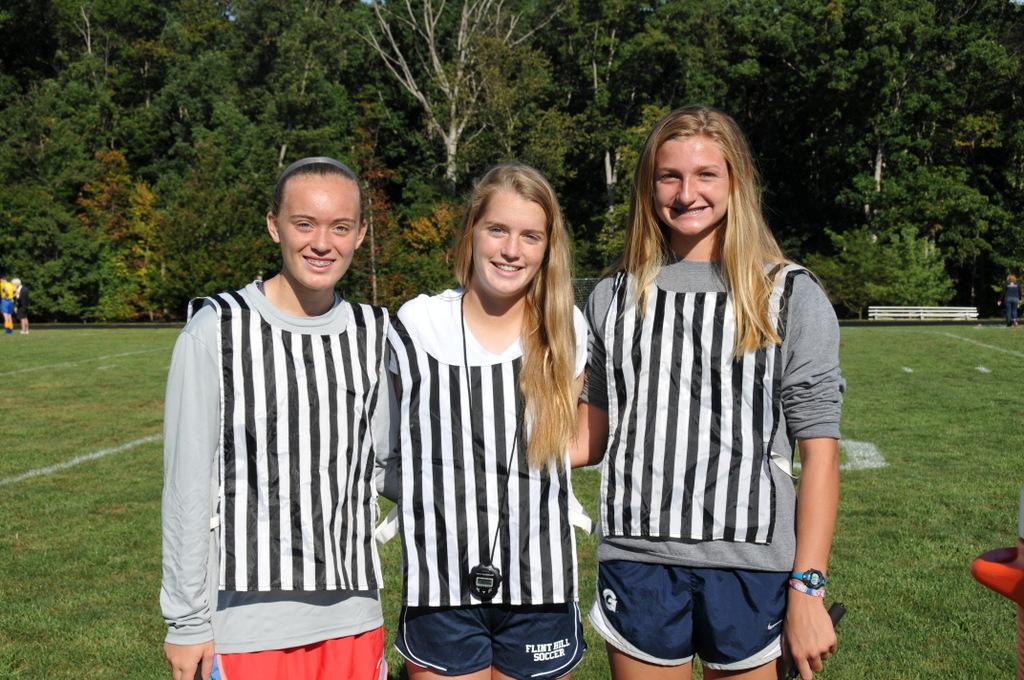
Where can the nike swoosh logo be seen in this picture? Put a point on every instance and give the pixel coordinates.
(773, 625)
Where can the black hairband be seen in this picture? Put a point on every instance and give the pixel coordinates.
(311, 160)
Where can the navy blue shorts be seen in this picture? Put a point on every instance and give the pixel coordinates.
(6, 306)
(664, 614)
(520, 641)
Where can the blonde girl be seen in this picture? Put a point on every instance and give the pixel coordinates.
(710, 355)
(487, 378)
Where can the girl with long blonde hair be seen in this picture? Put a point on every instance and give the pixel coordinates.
(487, 378)
(710, 355)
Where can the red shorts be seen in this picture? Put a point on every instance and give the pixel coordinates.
(356, 657)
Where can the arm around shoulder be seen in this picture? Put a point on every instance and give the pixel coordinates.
(588, 447)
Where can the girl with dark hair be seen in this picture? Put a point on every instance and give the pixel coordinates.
(272, 420)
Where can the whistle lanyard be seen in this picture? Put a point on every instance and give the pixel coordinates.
(515, 439)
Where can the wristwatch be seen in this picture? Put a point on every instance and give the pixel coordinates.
(812, 578)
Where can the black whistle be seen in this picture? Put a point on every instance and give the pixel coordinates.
(835, 612)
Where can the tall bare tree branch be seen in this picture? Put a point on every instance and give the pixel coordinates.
(439, 70)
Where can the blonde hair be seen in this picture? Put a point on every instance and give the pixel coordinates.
(744, 242)
(548, 335)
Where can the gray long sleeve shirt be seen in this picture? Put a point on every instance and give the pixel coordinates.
(811, 398)
(193, 608)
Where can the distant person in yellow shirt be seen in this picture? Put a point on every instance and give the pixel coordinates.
(7, 303)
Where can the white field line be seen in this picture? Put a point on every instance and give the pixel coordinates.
(67, 364)
(49, 470)
(982, 344)
(861, 455)
(982, 369)
(907, 369)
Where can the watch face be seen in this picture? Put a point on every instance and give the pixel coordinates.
(813, 578)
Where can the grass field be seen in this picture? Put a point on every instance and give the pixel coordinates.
(80, 547)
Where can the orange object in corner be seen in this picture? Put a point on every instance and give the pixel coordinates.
(1002, 570)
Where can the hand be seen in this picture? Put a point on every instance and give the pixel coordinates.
(809, 634)
(185, 659)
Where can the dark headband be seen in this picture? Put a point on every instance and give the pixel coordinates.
(311, 160)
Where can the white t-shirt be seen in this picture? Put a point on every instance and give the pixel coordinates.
(435, 323)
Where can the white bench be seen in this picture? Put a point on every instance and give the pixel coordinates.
(924, 313)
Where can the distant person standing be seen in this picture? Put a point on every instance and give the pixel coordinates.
(7, 303)
(21, 304)
(1011, 299)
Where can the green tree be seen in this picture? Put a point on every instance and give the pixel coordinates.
(896, 268)
(43, 244)
(518, 116)
(118, 213)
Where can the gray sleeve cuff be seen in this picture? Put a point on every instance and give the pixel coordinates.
(189, 635)
(829, 430)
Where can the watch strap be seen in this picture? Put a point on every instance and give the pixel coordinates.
(812, 578)
(799, 586)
